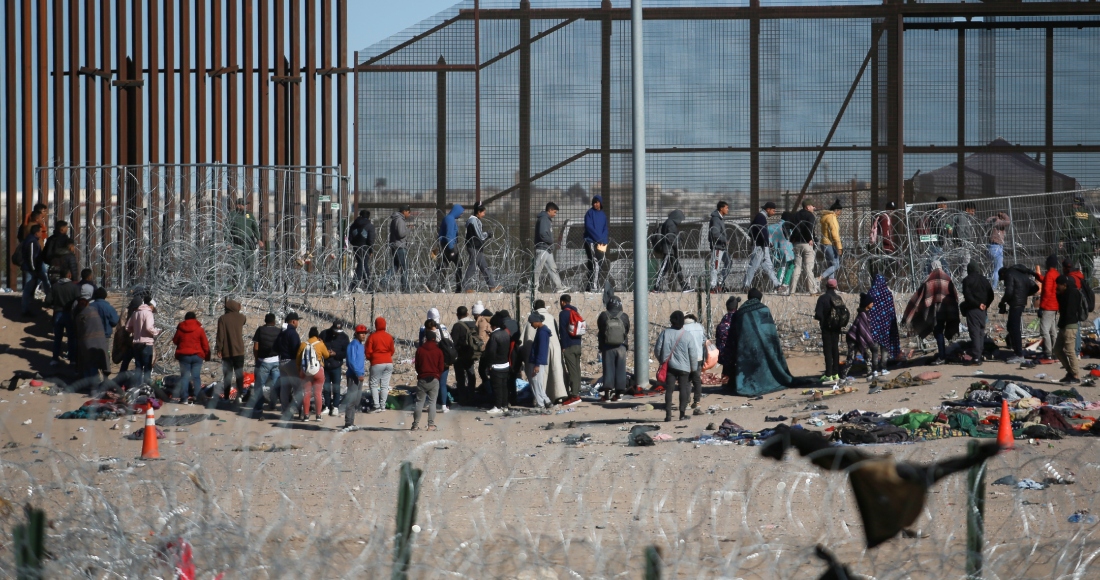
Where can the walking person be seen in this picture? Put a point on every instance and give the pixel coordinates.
(229, 344)
(63, 294)
(571, 328)
(143, 332)
(596, 238)
(267, 365)
(469, 346)
(311, 358)
(998, 228)
(612, 340)
(859, 340)
(497, 357)
(192, 349)
(544, 247)
(476, 237)
(1048, 307)
(286, 347)
(30, 258)
(668, 245)
(355, 355)
(676, 349)
(1020, 283)
(428, 362)
(435, 325)
(379, 353)
(782, 249)
(361, 237)
(832, 315)
(802, 240)
(399, 232)
(719, 247)
(1069, 318)
(977, 296)
(699, 335)
(761, 253)
(830, 239)
(336, 342)
(448, 250)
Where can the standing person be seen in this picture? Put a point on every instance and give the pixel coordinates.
(361, 237)
(1069, 317)
(286, 347)
(61, 298)
(399, 231)
(57, 243)
(554, 380)
(497, 355)
(831, 314)
(86, 279)
(998, 228)
(92, 361)
(675, 347)
(192, 349)
(448, 248)
(669, 245)
(782, 249)
(30, 256)
(63, 259)
(719, 247)
(538, 359)
(107, 313)
(1080, 232)
(977, 296)
(267, 364)
(544, 247)
(555, 386)
(476, 237)
(1020, 283)
(355, 354)
(336, 342)
(882, 231)
(1048, 307)
(484, 329)
(699, 335)
(571, 328)
(860, 340)
(802, 240)
(229, 343)
(761, 252)
(1078, 277)
(884, 318)
(311, 358)
(244, 232)
(428, 362)
(722, 333)
(613, 340)
(934, 309)
(122, 350)
(830, 238)
(596, 237)
(469, 346)
(435, 324)
(143, 332)
(379, 353)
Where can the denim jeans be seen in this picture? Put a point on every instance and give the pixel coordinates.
(331, 393)
(720, 263)
(143, 361)
(400, 266)
(30, 282)
(443, 386)
(997, 253)
(190, 376)
(267, 378)
(62, 325)
(832, 261)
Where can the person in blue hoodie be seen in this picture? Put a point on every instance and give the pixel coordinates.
(357, 369)
(596, 235)
(448, 251)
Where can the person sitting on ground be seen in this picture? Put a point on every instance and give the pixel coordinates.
(1069, 318)
(860, 341)
(192, 349)
(678, 352)
(934, 309)
(757, 353)
(428, 362)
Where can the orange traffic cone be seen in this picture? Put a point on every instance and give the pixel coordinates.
(149, 444)
(1004, 431)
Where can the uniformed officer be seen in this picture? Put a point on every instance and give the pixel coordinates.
(244, 232)
(1079, 234)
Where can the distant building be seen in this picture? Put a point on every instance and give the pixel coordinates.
(989, 175)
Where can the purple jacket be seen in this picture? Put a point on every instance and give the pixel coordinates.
(860, 331)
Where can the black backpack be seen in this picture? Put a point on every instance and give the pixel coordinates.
(358, 236)
(838, 315)
(450, 353)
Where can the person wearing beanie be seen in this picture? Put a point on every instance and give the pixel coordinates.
(761, 252)
(361, 238)
(355, 354)
(336, 341)
(830, 239)
(379, 353)
(267, 365)
(676, 350)
(1069, 319)
(596, 236)
(860, 340)
(429, 365)
(538, 359)
(829, 312)
(754, 294)
(977, 296)
(192, 349)
(229, 344)
(1048, 306)
(497, 358)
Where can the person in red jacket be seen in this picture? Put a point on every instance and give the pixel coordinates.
(192, 348)
(1048, 307)
(379, 353)
(429, 367)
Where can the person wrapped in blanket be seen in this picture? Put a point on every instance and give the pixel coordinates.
(861, 341)
(934, 309)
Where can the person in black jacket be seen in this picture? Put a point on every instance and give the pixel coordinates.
(612, 351)
(497, 357)
(336, 341)
(476, 238)
(830, 337)
(802, 238)
(761, 253)
(719, 247)
(977, 296)
(31, 257)
(361, 237)
(669, 244)
(1020, 283)
(286, 347)
(1069, 316)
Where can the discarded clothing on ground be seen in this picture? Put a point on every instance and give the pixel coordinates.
(639, 435)
(184, 420)
(140, 434)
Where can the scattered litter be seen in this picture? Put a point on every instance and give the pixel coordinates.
(1030, 484)
(710, 427)
(27, 422)
(267, 447)
(779, 419)
(645, 407)
(577, 440)
(1082, 517)
(1057, 478)
(639, 435)
(11, 445)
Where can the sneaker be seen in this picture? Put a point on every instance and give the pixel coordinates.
(938, 362)
(883, 373)
(494, 411)
(376, 411)
(697, 411)
(331, 411)
(1070, 380)
(414, 427)
(824, 379)
(317, 418)
(1016, 360)
(615, 397)
(571, 401)
(444, 409)
(349, 428)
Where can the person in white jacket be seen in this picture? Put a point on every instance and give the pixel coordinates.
(555, 378)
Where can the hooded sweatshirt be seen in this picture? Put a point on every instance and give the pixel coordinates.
(976, 289)
(399, 230)
(336, 341)
(544, 231)
(759, 230)
(1048, 300)
(356, 358)
(361, 233)
(441, 332)
(830, 230)
(230, 338)
(717, 231)
(671, 228)
(379, 348)
(595, 224)
(448, 228)
(428, 361)
(141, 326)
(190, 339)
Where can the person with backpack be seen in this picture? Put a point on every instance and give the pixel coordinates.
(336, 342)
(448, 248)
(544, 247)
(428, 362)
(379, 353)
(356, 357)
(468, 345)
(596, 237)
(677, 355)
(399, 250)
(1070, 302)
(267, 365)
(192, 349)
(28, 257)
(361, 237)
(832, 316)
(612, 340)
(286, 348)
(1020, 283)
(446, 345)
(476, 238)
(860, 340)
(977, 296)
(230, 347)
(311, 358)
(572, 330)
(62, 259)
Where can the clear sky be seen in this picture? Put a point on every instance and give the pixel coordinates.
(372, 20)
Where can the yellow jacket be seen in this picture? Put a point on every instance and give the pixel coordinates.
(830, 230)
(322, 352)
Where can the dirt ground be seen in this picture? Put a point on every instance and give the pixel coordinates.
(506, 497)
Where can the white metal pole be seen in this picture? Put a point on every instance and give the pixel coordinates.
(641, 248)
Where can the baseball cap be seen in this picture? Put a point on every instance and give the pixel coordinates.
(361, 329)
(291, 316)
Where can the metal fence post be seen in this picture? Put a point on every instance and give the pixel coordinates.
(1010, 236)
(909, 237)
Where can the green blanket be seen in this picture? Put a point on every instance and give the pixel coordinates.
(760, 365)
